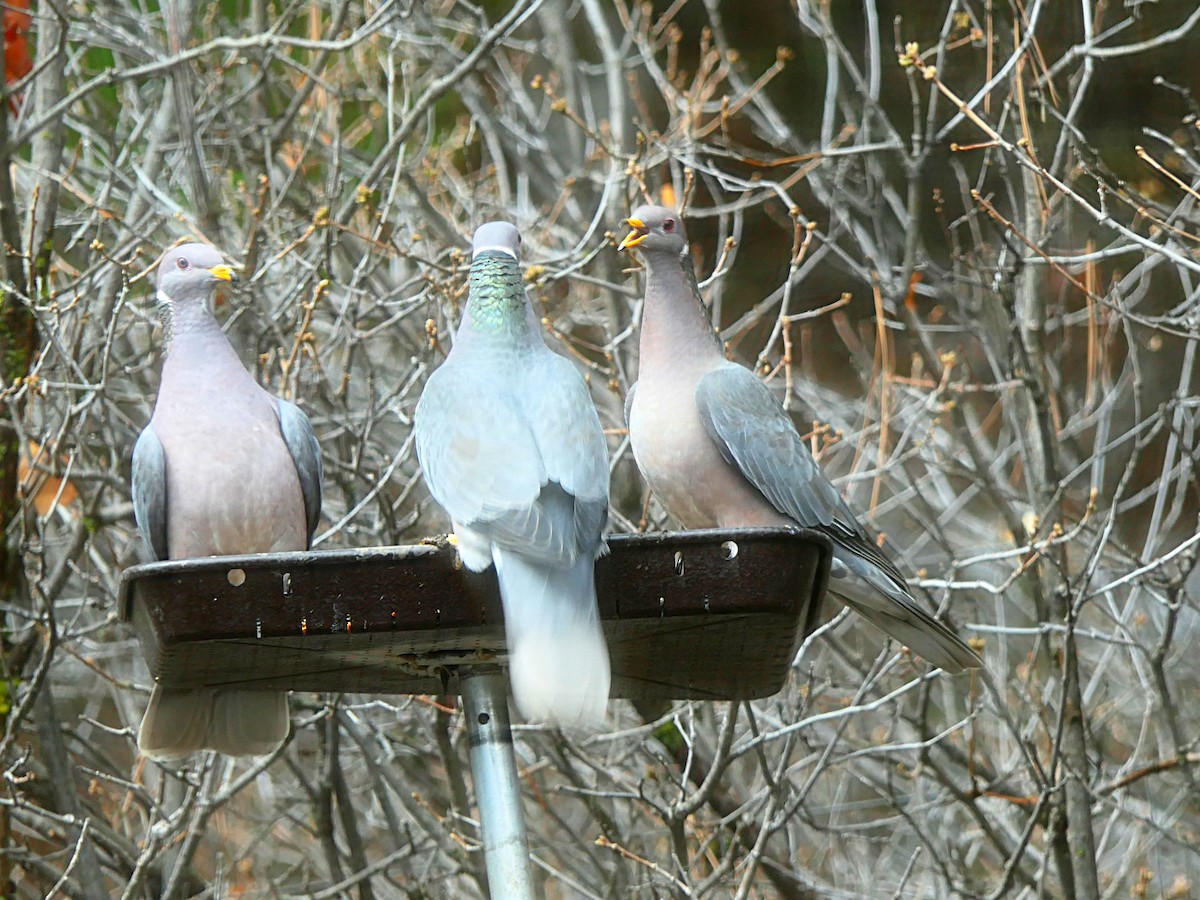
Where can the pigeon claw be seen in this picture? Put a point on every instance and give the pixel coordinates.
(453, 540)
(640, 233)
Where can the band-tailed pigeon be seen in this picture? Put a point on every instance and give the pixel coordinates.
(719, 450)
(222, 468)
(511, 447)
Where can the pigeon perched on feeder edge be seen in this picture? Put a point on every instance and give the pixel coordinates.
(719, 450)
(222, 468)
(512, 448)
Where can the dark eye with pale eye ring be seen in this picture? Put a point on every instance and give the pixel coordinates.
(668, 224)
(182, 263)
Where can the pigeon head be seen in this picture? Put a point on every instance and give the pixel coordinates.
(190, 272)
(499, 236)
(656, 229)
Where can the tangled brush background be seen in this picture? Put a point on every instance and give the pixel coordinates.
(959, 239)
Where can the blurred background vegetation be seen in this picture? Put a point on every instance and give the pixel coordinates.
(958, 238)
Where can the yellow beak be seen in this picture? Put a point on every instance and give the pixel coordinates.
(225, 273)
(640, 233)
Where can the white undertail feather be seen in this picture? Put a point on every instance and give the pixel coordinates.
(230, 721)
(558, 662)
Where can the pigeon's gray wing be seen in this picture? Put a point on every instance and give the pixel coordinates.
(570, 442)
(755, 434)
(149, 491)
(302, 444)
(481, 463)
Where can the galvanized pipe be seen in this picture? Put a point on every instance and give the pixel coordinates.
(494, 771)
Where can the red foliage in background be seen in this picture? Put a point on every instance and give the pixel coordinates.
(17, 61)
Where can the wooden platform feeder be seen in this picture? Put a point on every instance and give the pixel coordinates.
(713, 615)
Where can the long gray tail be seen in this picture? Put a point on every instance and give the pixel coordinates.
(558, 662)
(230, 721)
(879, 600)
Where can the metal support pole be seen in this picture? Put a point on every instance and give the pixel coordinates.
(494, 771)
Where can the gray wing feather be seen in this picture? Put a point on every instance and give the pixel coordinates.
(150, 493)
(570, 440)
(755, 434)
(302, 444)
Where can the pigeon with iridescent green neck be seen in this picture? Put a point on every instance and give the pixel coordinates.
(511, 447)
(719, 450)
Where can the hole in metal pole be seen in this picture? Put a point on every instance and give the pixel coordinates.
(484, 718)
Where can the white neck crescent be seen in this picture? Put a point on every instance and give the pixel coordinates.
(506, 250)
